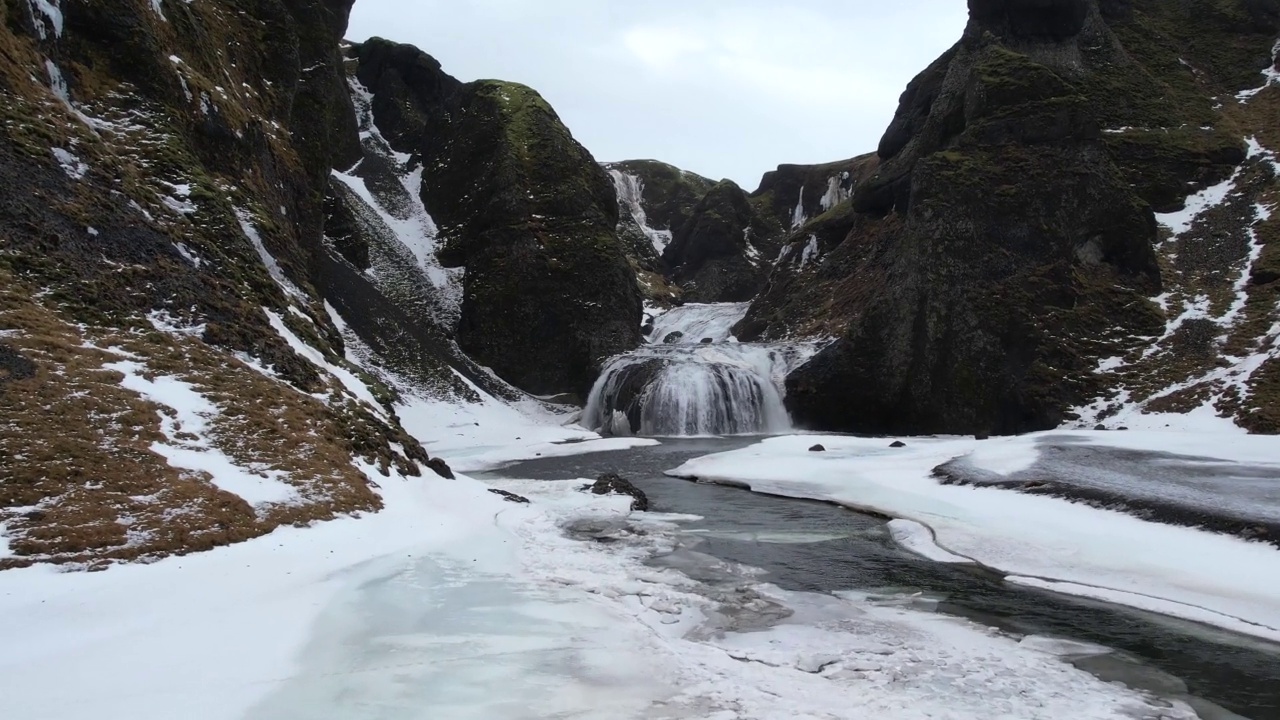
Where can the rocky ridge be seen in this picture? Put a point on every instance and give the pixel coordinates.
(219, 217)
(1004, 270)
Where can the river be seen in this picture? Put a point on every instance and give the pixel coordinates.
(815, 547)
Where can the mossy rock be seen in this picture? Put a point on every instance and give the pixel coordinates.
(548, 292)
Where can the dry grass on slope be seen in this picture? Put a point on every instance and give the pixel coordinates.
(80, 481)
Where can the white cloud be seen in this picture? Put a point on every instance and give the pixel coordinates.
(726, 90)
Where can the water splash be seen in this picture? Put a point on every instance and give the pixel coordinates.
(698, 322)
(702, 389)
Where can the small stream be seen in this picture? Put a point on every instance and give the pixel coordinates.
(815, 547)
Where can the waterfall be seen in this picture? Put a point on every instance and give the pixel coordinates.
(692, 387)
(630, 189)
(697, 322)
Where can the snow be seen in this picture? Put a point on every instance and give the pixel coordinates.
(71, 165)
(1181, 221)
(484, 434)
(57, 83)
(188, 255)
(1157, 605)
(919, 539)
(451, 603)
(5, 550)
(186, 428)
(354, 385)
(1271, 76)
(1032, 535)
(405, 216)
(273, 268)
(163, 321)
(490, 433)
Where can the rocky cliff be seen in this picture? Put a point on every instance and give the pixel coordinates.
(548, 291)
(160, 248)
(695, 240)
(1004, 260)
(216, 217)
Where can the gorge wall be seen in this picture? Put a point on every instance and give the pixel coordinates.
(1003, 267)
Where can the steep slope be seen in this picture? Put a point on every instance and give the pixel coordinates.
(220, 280)
(172, 379)
(1006, 244)
(548, 292)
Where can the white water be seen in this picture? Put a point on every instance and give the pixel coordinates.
(689, 387)
(697, 322)
(631, 195)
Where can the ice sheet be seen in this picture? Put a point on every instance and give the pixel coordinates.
(1030, 535)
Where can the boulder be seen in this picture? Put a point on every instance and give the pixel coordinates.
(510, 496)
(818, 448)
(441, 468)
(612, 484)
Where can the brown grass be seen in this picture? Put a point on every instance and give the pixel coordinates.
(79, 482)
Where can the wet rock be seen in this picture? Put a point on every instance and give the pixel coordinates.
(441, 468)
(898, 444)
(818, 448)
(1099, 426)
(673, 338)
(613, 484)
(510, 497)
(706, 341)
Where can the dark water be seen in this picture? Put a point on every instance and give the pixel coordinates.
(816, 547)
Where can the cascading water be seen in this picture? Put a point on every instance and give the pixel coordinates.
(691, 387)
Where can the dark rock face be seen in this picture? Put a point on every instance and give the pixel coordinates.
(510, 497)
(169, 161)
(441, 468)
(612, 484)
(526, 209)
(713, 255)
(14, 366)
(667, 197)
(1049, 19)
(1004, 236)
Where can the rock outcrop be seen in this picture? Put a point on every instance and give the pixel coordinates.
(614, 484)
(695, 240)
(548, 291)
(164, 166)
(203, 230)
(1006, 243)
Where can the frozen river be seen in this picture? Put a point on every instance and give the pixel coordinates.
(821, 548)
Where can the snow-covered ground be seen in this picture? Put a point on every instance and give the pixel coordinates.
(452, 603)
(1038, 540)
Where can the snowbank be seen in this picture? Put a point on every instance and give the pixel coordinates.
(454, 603)
(1217, 579)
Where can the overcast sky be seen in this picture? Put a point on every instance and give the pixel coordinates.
(725, 88)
